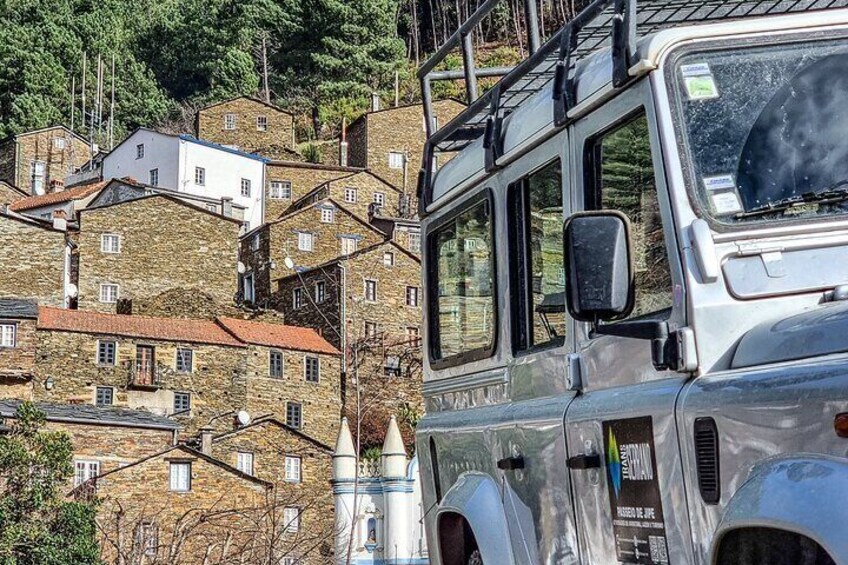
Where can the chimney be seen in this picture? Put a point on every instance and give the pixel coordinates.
(227, 206)
(343, 144)
(57, 185)
(60, 221)
(375, 101)
(206, 440)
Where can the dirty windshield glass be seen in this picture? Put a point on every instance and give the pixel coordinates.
(766, 130)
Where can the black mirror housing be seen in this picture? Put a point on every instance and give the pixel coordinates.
(599, 270)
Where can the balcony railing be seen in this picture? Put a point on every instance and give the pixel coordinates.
(145, 375)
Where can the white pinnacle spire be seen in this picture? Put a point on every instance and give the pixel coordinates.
(344, 457)
(394, 453)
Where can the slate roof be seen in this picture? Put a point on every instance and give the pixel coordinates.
(75, 193)
(278, 423)
(18, 308)
(278, 335)
(91, 414)
(167, 329)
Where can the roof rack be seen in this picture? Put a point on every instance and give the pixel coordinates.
(614, 23)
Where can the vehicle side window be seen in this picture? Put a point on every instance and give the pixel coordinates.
(463, 309)
(624, 180)
(538, 271)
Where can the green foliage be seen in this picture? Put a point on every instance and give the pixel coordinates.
(372, 453)
(37, 527)
(312, 153)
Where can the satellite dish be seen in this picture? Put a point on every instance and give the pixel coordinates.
(73, 291)
(241, 268)
(243, 417)
(289, 263)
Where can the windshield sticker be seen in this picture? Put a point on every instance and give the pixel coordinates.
(634, 491)
(720, 182)
(699, 82)
(725, 203)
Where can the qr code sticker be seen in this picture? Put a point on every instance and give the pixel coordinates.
(659, 552)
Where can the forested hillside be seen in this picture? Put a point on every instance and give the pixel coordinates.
(322, 58)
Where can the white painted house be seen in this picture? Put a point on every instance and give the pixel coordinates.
(378, 505)
(192, 166)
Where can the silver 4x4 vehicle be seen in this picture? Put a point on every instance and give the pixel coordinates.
(635, 262)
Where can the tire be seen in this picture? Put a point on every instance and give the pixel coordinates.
(475, 558)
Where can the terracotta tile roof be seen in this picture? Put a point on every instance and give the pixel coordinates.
(167, 329)
(278, 335)
(57, 197)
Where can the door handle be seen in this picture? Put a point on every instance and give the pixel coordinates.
(584, 461)
(511, 463)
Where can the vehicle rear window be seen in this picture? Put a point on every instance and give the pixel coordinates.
(463, 308)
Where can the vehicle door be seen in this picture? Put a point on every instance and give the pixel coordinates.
(622, 439)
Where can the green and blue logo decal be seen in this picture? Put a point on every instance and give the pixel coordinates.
(614, 463)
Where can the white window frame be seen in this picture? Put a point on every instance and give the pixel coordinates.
(106, 298)
(148, 538)
(180, 353)
(293, 467)
(328, 215)
(59, 143)
(244, 462)
(416, 237)
(350, 194)
(179, 476)
(389, 259)
(254, 242)
(380, 198)
(153, 177)
(139, 151)
(280, 190)
(114, 352)
(396, 160)
(349, 245)
(229, 122)
(370, 296)
(246, 188)
(8, 334)
(106, 241)
(261, 123)
(85, 469)
(306, 360)
(297, 298)
(412, 296)
(200, 176)
(38, 174)
(320, 292)
(305, 241)
(291, 519)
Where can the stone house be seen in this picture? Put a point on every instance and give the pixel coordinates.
(17, 346)
(180, 506)
(289, 181)
(104, 438)
(364, 194)
(123, 255)
(36, 259)
(390, 142)
(309, 236)
(69, 201)
(248, 124)
(406, 232)
(10, 193)
(372, 312)
(38, 161)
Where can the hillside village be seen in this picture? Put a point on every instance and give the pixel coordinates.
(200, 311)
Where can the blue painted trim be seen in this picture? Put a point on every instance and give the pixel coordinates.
(370, 489)
(379, 561)
(192, 139)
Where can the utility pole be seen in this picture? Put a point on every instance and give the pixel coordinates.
(73, 99)
(397, 89)
(266, 89)
(112, 109)
(101, 68)
(84, 61)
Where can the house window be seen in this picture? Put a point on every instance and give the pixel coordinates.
(249, 291)
(110, 243)
(275, 364)
(245, 188)
(154, 177)
(182, 402)
(349, 245)
(297, 298)
(148, 538)
(199, 176)
(261, 123)
(7, 335)
(294, 415)
(103, 396)
(320, 291)
(327, 215)
(389, 259)
(371, 290)
(305, 241)
(413, 336)
(106, 352)
(254, 242)
(185, 360)
(291, 519)
(37, 171)
(229, 121)
(312, 369)
(292, 469)
(380, 198)
(180, 474)
(350, 195)
(85, 470)
(392, 366)
(139, 151)
(281, 190)
(396, 160)
(244, 462)
(370, 330)
(59, 143)
(108, 293)
(412, 296)
(414, 242)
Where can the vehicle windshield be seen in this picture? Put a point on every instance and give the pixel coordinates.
(764, 130)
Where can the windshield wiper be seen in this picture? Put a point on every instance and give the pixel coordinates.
(831, 195)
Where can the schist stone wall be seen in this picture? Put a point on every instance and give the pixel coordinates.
(287, 182)
(249, 125)
(32, 256)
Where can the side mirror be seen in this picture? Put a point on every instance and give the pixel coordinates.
(598, 266)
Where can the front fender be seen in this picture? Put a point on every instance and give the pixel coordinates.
(476, 497)
(805, 494)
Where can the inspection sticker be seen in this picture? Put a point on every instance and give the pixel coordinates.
(699, 81)
(725, 203)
